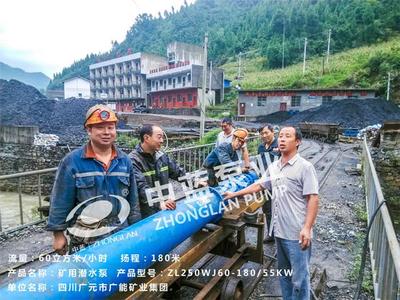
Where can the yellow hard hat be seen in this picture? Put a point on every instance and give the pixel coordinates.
(241, 133)
(99, 114)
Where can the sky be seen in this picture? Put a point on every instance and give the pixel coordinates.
(48, 35)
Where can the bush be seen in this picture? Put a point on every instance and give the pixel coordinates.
(209, 137)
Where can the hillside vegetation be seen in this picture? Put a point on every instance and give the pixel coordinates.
(256, 25)
(364, 67)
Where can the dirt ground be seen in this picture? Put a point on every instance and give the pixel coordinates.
(337, 229)
(336, 233)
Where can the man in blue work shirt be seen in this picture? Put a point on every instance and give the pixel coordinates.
(94, 193)
(224, 154)
(268, 149)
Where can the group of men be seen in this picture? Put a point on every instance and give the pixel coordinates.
(100, 171)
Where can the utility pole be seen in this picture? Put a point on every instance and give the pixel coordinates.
(329, 47)
(283, 46)
(209, 85)
(388, 88)
(203, 88)
(304, 57)
(239, 75)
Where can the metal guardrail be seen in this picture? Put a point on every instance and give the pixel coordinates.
(383, 244)
(191, 158)
(20, 176)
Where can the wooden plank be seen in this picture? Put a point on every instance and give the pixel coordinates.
(192, 253)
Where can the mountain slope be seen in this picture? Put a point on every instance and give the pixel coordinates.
(242, 25)
(363, 67)
(36, 79)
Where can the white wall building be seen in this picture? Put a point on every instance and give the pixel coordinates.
(77, 87)
(123, 79)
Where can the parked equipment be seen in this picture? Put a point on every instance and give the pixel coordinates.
(325, 132)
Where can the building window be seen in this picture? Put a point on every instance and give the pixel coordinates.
(171, 57)
(296, 101)
(179, 79)
(179, 98)
(262, 101)
(156, 85)
(190, 98)
(326, 99)
(165, 84)
(189, 77)
(169, 81)
(183, 81)
(173, 83)
(169, 99)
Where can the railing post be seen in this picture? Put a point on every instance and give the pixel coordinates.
(40, 196)
(21, 212)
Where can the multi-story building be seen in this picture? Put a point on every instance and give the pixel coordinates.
(178, 83)
(122, 81)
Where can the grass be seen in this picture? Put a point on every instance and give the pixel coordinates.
(127, 140)
(346, 69)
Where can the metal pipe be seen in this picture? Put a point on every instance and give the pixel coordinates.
(155, 235)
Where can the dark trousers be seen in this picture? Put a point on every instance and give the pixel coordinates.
(267, 210)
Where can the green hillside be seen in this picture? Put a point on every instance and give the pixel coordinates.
(364, 67)
(255, 25)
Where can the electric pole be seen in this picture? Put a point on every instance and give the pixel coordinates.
(329, 47)
(304, 57)
(209, 85)
(283, 46)
(239, 75)
(203, 88)
(388, 88)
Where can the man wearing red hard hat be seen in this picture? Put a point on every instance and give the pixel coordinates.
(94, 193)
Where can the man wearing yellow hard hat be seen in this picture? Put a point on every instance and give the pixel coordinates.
(225, 153)
(94, 193)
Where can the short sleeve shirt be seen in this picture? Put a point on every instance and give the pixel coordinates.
(290, 184)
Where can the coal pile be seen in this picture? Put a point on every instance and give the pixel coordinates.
(22, 104)
(350, 113)
(274, 118)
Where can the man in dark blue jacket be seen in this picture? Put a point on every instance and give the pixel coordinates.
(95, 192)
(269, 151)
(151, 165)
(224, 154)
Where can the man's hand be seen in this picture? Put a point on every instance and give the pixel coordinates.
(246, 169)
(168, 205)
(201, 183)
(60, 242)
(228, 195)
(305, 238)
